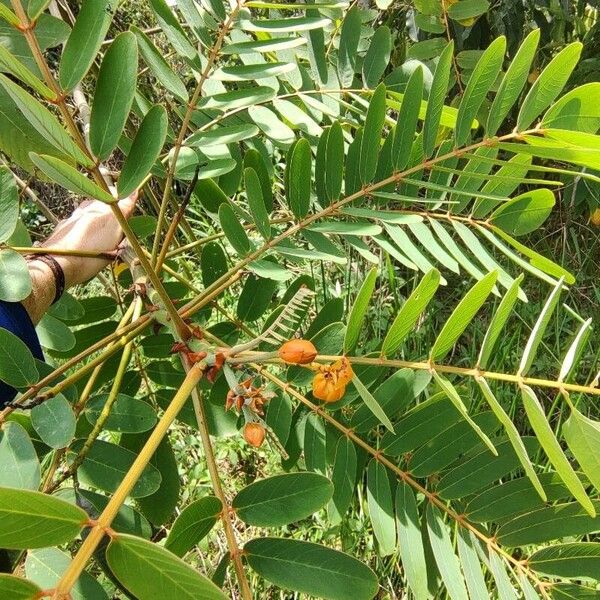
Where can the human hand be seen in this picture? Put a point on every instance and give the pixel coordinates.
(91, 228)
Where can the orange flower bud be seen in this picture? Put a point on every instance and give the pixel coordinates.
(298, 352)
(595, 218)
(326, 389)
(254, 434)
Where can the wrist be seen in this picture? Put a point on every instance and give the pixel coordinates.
(43, 290)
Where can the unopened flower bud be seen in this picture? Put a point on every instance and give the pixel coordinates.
(298, 352)
(254, 434)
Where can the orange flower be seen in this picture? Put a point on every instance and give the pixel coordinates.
(254, 434)
(595, 218)
(298, 352)
(329, 384)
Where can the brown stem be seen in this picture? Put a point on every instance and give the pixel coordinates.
(213, 470)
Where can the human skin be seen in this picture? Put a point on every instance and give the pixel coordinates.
(91, 228)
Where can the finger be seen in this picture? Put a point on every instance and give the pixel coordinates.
(127, 205)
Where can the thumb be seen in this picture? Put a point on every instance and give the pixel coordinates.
(127, 205)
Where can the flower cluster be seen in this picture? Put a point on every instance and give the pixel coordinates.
(249, 396)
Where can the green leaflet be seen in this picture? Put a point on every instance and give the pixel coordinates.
(31, 519)
(420, 424)
(505, 181)
(310, 569)
(548, 523)
(282, 499)
(334, 162)
(513, 435)
(44, 121)
(17, 453)
(481, 80)
(289, 25)
(498, 321)
(587, 118)
(409, 313)
(576, 559)
(410, 541)
(583, 438)
(548, 441)
(144, 151)
(193, 523)
(478, 469)
(17, 365)
(315, 454)
(443, 551)
(127, 414)
(15, 280)
(228, 134)
(115, 89)
(359, 310)
(349, 38)
(462, 315)
(175, 33)
(69, 177)
(343, 477)
(88, 33)
(17, 588)
(377, 57)
(148, 570)
(548, 85)
(54, 421)
(435, 103)
(539, 329)
(255, 298)
(514, 497)
(46, 566)
(9, 63)
(513, 82)
(467, 9)
(372, 403)
(455, 441)
(466, 545)
(572, 355)
(233, 230)
(368, 153)
(256, 203)
(298, 178)
(106, 465)
(252, 72)
(381, 507)
(406, 127)
(159, 66)
(451, 392)
(525, 213)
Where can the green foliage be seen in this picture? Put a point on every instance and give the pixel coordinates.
(305, 171)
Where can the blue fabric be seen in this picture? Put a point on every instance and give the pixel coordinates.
(15, 318)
